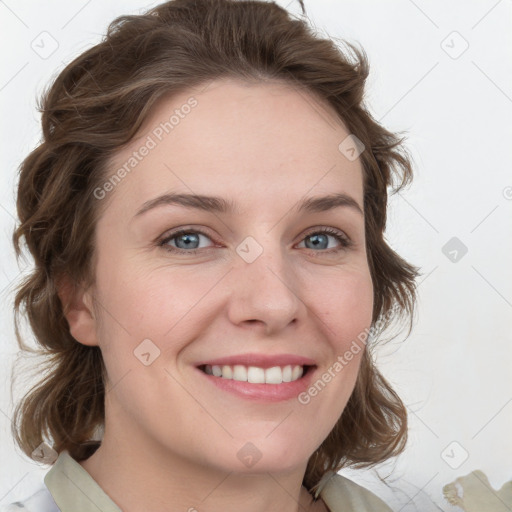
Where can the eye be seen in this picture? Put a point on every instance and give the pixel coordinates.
(319, 239)
(186, 241)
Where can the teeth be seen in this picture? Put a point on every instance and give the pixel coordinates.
(287, 374)
(296, 372)
(256, 375)
(239, 372)
(274, 375)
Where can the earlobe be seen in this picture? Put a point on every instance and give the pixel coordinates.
(77, 306)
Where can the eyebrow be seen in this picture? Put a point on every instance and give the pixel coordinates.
(221, 205)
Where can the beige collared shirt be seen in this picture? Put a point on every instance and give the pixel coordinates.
(69, 488)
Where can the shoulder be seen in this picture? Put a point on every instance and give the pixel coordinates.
(342, 494)
(40, 501)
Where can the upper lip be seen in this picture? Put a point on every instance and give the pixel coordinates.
(260, 360)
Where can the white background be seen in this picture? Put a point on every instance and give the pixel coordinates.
(454, 371)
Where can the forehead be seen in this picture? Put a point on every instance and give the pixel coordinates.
(251, 141)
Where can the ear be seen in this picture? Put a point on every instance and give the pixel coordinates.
(77, 305)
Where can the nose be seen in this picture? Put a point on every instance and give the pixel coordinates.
(263, 294)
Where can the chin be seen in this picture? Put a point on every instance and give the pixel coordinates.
(265, 455)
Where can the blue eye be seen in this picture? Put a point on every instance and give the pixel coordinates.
(320, 240)
(187, 241)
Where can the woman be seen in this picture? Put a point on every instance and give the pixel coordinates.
(206, 214)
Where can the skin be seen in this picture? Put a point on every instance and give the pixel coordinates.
(171, 439)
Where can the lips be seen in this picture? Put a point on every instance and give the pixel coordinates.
(244, 375)
(259, 360)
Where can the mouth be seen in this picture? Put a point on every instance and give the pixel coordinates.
(257, 384)
(256, 374)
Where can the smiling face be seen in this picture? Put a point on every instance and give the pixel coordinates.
(252, 279)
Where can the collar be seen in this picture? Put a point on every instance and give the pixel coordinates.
(73, 488)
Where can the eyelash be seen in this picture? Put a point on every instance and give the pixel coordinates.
(345, 242)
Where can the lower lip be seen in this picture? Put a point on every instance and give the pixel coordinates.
(263, 392)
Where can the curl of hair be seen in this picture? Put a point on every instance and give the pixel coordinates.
(95, 106)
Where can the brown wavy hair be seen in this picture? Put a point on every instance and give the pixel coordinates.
(94, 107)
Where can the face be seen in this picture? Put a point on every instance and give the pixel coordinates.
(271, 281)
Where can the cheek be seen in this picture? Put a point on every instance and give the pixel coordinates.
(140, 298)
(345, 310)
(346, 313)
(345, 305)
(137, 304)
